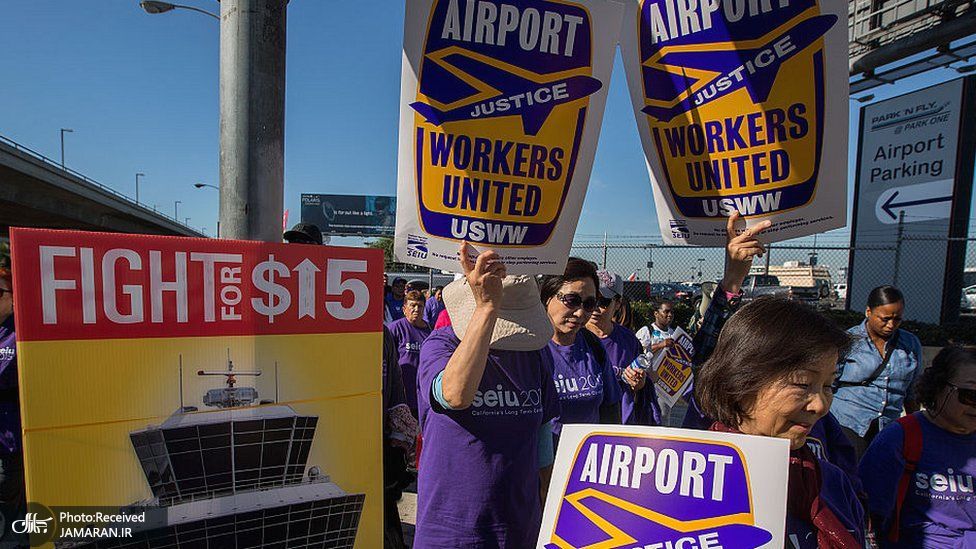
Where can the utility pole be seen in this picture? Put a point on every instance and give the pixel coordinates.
(604, 250)
(898, 241)
(252, 118)
(138, 175)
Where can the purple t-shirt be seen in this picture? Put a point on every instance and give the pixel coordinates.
(640, 408)
(478, 484)
(432, 309)
(582, 383)
(9, 403)
(940, 505)
(837, 492)
(409, 338)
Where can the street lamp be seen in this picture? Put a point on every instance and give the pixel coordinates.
(202, 185)
(138, 175)
(63, 131)
(186, 221)
(176, 210)
(153, 7)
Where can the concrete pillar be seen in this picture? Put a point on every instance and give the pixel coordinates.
(252, 118)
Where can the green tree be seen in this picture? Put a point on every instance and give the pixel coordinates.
(384, 243)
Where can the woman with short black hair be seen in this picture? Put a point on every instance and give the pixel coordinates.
(585, 382)
(772, 374)
(918, 472)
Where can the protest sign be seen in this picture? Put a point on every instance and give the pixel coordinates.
(196, 389)
(659, 488)
(500, 110)
(673, 367)
(741, 106)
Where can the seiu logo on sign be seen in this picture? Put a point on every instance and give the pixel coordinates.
(648, 492)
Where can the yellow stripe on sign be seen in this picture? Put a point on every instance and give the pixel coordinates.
(82, 399)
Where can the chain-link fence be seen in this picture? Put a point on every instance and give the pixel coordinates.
(651, 266)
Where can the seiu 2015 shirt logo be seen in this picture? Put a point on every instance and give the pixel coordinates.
(573, 387)
(502, 100)
(734, 100)
(501, 400)
(7, 353)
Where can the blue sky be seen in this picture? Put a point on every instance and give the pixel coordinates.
(140, 93)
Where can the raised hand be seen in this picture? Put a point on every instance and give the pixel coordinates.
(484, 277)
(739, 252)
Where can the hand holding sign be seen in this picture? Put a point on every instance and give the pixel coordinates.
(484, 276)
(739, 252)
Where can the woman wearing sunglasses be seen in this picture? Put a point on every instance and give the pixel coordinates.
(585, 383)
(918, 472)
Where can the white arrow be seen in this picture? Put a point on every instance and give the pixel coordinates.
(306, 288)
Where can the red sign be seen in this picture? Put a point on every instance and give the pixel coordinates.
(84, 285)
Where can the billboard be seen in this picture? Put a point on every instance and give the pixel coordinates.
(500, 111)
(912, 191)
(618, 486)
(741, 107)
(206, 391)
(350, 215)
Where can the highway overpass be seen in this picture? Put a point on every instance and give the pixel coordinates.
(36, 191)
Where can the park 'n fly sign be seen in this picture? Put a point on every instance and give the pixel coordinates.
(501, 107)
(912, 191)
(741, 106)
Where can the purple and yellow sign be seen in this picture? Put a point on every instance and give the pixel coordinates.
(734, 101)
(498, 125)
(657, 488)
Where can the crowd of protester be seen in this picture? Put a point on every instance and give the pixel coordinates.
(480, 376)
(512, 359)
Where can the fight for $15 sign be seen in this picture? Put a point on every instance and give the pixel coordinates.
(741, 106)
(208, 381)
(660, 488)
(501, 107)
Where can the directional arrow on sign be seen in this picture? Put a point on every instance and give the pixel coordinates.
(306, 288)
(890, 206)
(921, 202)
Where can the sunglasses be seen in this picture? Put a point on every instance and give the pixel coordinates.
(965, 396)
(575, 301)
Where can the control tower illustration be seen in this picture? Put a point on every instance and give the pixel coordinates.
(235, 476)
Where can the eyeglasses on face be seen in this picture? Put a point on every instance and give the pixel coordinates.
(965, 396)
(575, 301)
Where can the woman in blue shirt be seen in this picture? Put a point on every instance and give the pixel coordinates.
(875, 380)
